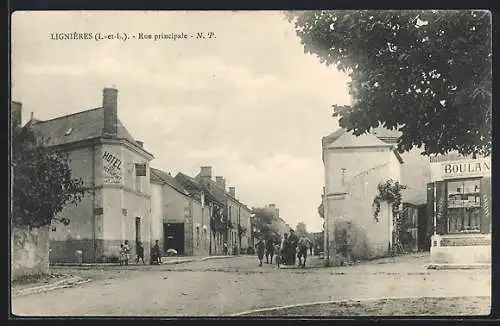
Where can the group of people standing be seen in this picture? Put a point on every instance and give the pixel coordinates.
(285, 251)
(125, 250)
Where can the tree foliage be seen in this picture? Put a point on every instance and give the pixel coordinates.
(301, 229)
(42, 181)
(426, 73)
(262, 221)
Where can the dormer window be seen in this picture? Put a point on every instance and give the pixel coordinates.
(68, 132)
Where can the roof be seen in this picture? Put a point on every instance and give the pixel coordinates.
(191, 184)
(333, 136)
(165, 178)
(76, 127)
(348, 140)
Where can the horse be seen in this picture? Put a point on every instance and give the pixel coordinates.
(302, 248)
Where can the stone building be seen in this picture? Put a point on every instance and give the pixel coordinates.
(180, 219)
(115, 168)
(459, 202)
(225, 208)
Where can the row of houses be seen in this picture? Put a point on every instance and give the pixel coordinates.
(446, 206)
(130, 200)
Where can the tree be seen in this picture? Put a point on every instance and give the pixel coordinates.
(42, 181)
(301, 229)
(262, 221)
(426, 73)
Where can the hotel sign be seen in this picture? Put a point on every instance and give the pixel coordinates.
(112, 167)
(467, 168)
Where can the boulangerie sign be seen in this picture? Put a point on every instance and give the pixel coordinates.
(467, 168)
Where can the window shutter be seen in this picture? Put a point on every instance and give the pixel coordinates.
(442, 207)
(430, 209)
(485, 204)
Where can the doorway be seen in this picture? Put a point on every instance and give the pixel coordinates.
(423, 240)
(174, 237)
(137, 229)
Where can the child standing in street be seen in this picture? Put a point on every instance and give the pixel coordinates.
(121, 255)
(277, 253)
(126, 252)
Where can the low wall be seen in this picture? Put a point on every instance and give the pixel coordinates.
(461, 250)
(29, 251)
(105, 251)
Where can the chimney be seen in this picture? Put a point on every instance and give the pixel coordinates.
(232, 191)
(220, 182)
(16, 114)
(206, 172)
(110, 106)
(140, 143)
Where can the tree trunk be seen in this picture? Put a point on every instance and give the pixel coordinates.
(29, 251)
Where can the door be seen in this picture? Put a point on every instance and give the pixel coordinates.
(174, 237)
(422, 219)
(137, 229)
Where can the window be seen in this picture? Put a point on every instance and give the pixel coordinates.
(464, 206)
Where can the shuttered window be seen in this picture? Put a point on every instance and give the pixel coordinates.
(485, 205)
(441, 203)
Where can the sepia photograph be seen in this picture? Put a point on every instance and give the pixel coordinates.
(248, 164)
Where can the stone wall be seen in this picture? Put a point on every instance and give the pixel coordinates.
(29, 251)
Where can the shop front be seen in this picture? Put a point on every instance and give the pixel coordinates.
(459, 198)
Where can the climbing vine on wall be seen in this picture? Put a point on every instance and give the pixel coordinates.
(389, 191)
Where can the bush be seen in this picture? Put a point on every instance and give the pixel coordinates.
(250, 251)
(350, 238)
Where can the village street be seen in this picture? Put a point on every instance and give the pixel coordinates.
(229, 286)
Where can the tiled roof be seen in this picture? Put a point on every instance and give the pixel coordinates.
(76, 127)
(164, 178)
(333, 136)
(191, 185)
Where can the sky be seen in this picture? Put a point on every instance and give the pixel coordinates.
(247, 102)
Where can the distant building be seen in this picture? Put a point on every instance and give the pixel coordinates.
(115, 167)
(230, 218)
(278, 223)
(180, 220)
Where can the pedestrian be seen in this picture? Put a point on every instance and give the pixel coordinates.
(155, 254)
(285, 248)
(140, 253)
(121, 255)
(294, 240)
(277, 253)
(269, 251)
(311, 248)
(261, 247)
(302, 247)
(126, 252)
(225, 248)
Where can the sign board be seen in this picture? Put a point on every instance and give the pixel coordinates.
(460, 169)
(112, 168)
(140, 169)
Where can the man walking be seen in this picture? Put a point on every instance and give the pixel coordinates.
(269, 251)
(140, 253)
(294, 240)
(261, 247)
